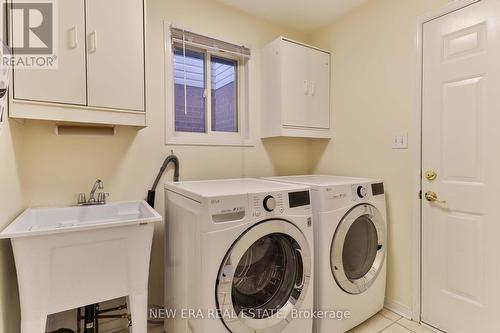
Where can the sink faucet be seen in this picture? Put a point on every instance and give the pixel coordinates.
(101, 197)
(98, 185)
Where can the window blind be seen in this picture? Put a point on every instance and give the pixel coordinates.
(185, 37)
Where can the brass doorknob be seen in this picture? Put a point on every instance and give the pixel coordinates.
(431, 175)
(432, 197)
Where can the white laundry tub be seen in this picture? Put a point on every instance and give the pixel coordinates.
(74, 256)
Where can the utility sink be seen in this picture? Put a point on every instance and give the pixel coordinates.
(45, 221)
(74, 256)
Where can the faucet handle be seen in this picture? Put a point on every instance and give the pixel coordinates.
(101, 197)
(81, 198)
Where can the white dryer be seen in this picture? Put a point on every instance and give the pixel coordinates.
(239, 257)
(350, 227)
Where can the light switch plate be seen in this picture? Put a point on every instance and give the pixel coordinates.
(400, 140)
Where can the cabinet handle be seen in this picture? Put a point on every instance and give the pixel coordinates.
(313, 88)
(92, 42)
(73, 38)
(305, 85)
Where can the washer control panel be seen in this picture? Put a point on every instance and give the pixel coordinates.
(279, 203)
(267, 204)
(263, 205)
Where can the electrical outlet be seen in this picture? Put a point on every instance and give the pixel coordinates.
(400, 141)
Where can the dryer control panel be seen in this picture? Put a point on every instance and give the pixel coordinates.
(362, 191)
(346, 194)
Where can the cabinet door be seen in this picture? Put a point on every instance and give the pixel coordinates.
(318, 108)
(66, 84)
(115, 54)
(295, 92)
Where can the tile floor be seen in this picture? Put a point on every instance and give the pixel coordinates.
(385, 321)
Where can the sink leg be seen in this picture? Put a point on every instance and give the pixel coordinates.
(138, 305)
(33, 325)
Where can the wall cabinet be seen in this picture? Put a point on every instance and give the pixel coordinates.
(67, 83)
(295, 90)
(100, 77)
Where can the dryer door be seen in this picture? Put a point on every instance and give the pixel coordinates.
(264, 276)
(358, 249)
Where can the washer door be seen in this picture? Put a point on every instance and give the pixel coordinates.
(264, 276)
(358, 249)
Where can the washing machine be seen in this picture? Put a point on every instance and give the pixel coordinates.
(350, 248)
(238, 257)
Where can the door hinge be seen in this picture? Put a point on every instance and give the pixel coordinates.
(420, 194)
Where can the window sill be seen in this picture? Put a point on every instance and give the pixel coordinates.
(187, 141)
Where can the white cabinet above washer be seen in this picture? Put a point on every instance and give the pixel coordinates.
(295, 90)
(100, 72)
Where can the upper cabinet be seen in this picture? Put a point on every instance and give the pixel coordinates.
(115, 54)
(100, 75)
(66, 84)
(295, 90)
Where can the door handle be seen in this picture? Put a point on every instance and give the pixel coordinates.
(313, 88)
(299, 284)
(433, 197)
(92, 42)
(73, 38)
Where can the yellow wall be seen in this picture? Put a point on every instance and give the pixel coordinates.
(374, 95)
(55, 168)
(11, 205)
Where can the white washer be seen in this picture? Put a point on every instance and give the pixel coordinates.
(239, 256)
(349, 217)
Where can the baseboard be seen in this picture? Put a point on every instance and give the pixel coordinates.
(400, 309)
(430, 328)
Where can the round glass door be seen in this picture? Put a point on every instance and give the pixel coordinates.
(358, 249)
(263, 277)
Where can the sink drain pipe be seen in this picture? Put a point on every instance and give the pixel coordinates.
(92, 314)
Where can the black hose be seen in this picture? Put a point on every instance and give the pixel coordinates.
(90, 320)
(152, 192)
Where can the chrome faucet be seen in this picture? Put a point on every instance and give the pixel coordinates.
(98, 185)
(101, 196)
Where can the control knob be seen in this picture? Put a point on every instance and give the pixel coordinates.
(362, 192)
(269, 203)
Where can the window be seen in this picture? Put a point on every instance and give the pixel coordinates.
(224, 95)
(207, 90)
(189, 94)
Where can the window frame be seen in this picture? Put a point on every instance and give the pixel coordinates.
(244, 136)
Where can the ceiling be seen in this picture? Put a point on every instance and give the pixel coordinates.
(302, 15)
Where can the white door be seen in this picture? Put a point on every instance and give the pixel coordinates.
(115, 54)
(461, 141)
(66, 84)
(295, 88)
